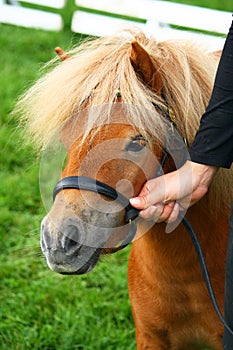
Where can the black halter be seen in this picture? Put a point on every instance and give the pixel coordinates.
(89, 184)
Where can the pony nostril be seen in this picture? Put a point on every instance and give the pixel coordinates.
(64, 238)
(71, 242)
(70, 245)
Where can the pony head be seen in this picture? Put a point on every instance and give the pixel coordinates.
(116, 138)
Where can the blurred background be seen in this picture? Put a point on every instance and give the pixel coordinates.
(38, 308)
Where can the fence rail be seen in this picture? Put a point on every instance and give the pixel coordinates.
(164, 19)
(16, 14)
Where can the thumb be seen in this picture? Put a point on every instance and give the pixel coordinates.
(152, 192)
(139, 202)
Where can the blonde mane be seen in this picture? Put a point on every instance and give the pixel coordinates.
(98, 68)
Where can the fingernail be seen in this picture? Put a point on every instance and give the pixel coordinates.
(134, 201)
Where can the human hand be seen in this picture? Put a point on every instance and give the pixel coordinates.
(162, 198)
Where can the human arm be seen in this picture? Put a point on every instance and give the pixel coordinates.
(213, 143)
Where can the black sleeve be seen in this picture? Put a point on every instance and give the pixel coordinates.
(213, 143)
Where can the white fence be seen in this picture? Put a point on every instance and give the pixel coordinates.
(14, 13)
(102, 17)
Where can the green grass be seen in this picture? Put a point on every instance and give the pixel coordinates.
(40, 309)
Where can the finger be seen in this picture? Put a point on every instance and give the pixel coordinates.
(152, 192)
(174, 214)
(167, 211)
(152, 212)
(186, 202)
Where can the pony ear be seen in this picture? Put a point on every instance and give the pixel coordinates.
(61, 53)
(145, 68)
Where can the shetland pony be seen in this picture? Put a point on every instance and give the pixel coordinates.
(111, 101)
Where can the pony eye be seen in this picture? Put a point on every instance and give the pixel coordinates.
(137, 144)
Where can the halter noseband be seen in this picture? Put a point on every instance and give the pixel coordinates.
(89, 184)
